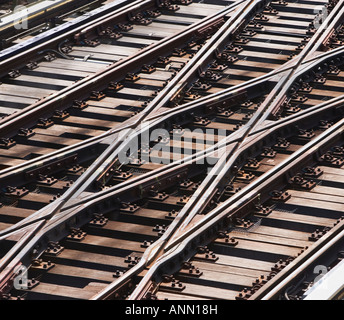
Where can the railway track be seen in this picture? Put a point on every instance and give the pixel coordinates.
(22, 20)
(192, 150)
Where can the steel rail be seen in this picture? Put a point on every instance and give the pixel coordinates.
(117, 71)
(219, 145)
(18, 55)
(35, 14)
(273, 101)
(218, 98)
(260, 116)
(44, 229)
(185, 214)
(232, 27)
(302, 263)
(116, 148)
(326, 106)
(205, 100)
(200, 232)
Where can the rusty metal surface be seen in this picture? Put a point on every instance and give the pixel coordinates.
(238, 186)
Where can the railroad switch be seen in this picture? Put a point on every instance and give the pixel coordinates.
(76, 234)
(206, 255)
(53, 249)
(99, 220)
